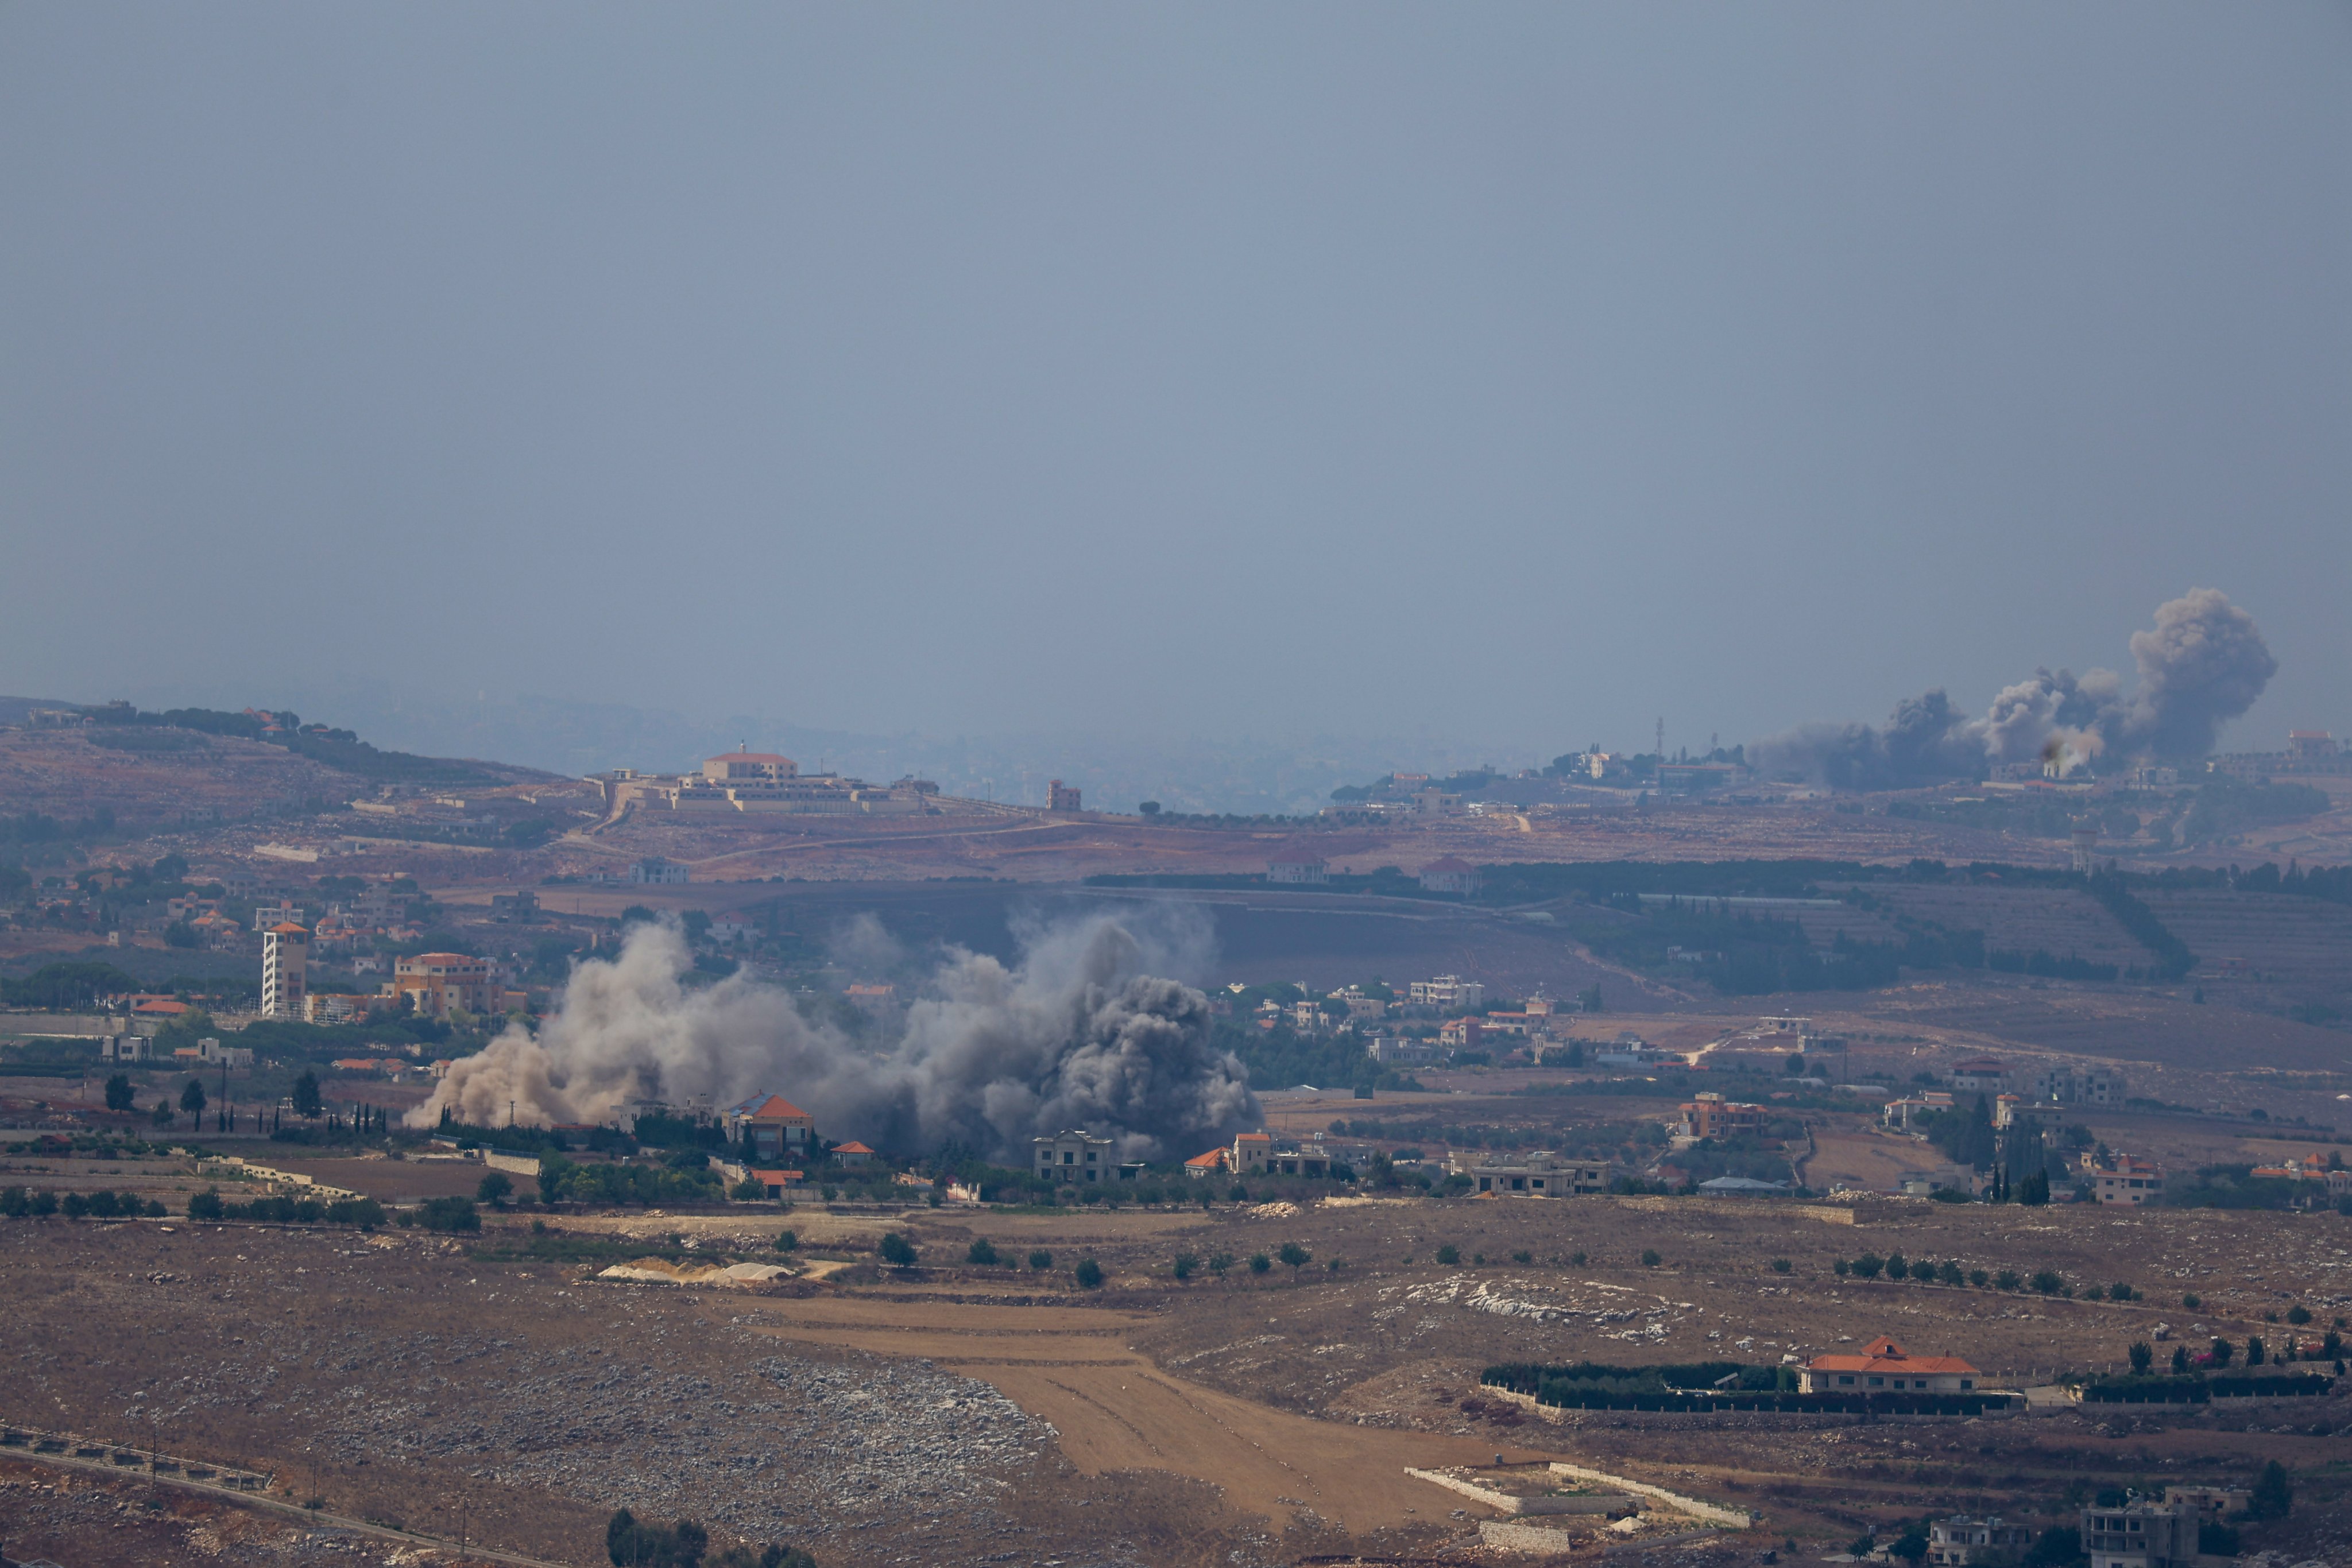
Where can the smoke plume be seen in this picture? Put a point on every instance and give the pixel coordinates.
(1077, 1034)
(2203, 664)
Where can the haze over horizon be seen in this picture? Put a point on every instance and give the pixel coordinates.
(1325, 382)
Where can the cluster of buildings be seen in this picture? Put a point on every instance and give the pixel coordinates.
(1299, 864)
(2139, 1533)
(756, 783)
(431, 985)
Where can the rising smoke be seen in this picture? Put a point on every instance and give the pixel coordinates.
(2203, 664)
(1080, 1033)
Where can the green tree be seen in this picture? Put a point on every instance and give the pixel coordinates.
(2273, 1495)
(450, 1214)
(1867, 1266)
(1040, 1260)
(118, 1093)
(786, 1241)
(897, 1250)
(2179, 1359)
(1185, 1266)
(205, 1204)
(162, 1114)
(1219, 1262)
(307, 1103)
(2142, 1357)
(2223, 1352)
(1449, 1255)
(1295, 1255)
(495, 1188)
(2035, 1190)
(1089, 1274)
(982, 1252)
(2256, 1352)
(2048, 1281)
(1259, 1263)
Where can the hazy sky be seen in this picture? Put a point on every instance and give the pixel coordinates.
(1513, 373)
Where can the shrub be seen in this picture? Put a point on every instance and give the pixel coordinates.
(1896, 1269)
(1259, 1263)
(1089, 1274)
(2298, 1314)
(2192, 1301)
(43, 1205)
(1650, 1259)
(1041, 1259)
(1219, 1262)
(1449, 1255)
(451, 1214)
(1841, 1268)
(495, 1188)
(2047, 1282)
(1781, 1265)
(2122, 1293)
(786, 1241)
(1575, 1260)
(2007, 1280)
(1185, 1265)
(2142, 1357)
(897, 1250)
(1295, 1255)
(1523, 1256)
(982, 1252)
(1950, 1274)
(1867, 1266)
(1979, 1277)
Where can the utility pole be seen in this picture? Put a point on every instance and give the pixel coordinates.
(1661, 737)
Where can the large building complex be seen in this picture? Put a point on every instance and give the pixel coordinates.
(442, 983)
(759, 782)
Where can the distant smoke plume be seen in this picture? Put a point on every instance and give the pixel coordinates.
(1078, 1034)
(2203, 664)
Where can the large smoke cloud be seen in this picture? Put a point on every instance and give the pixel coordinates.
(1078, 1034)
(2203, 664)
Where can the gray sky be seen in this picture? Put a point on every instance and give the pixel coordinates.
(1508, 373)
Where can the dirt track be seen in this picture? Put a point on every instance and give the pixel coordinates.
(1116, 1411)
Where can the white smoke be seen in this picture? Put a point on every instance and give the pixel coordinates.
(2202, 665)
(1077, 1034)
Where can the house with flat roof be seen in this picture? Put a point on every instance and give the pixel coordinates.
(1072, 1156)
(1295, 863)
(1533, 1174)
(1885, 1366)
(2142, 1533)
(1963, 1541)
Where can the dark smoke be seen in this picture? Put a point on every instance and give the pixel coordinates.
(1078, 1034)
(2203, 664)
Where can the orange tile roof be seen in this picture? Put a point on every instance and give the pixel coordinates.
(775, 1107)
(852, 1147)
(1209, 1161)
(1255, 1138)
(1883, 1354)
(285, 926)
(779, 1177)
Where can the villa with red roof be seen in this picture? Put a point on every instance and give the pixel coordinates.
(1885, 1366)
(1200, 1167)
(852, 1153)
(769, 1127)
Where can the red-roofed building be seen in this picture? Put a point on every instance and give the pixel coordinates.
(1884, 1367)
(852, 1153)
(1201, 1167)
(768, 1127)
(777, 1182)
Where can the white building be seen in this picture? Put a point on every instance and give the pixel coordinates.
(1297, 865)
(1448, 991)
(654, 871)
(285, 970)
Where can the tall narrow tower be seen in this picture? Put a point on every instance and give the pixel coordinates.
(285, 970)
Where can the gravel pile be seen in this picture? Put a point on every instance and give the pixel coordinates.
(791, 1450)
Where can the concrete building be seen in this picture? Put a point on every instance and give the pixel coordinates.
(1711, 1116)
(1462, 1033)
(1962, 1541)
(1885, 1367)
(2077, 1086)
(654, 871)
(2128, 1183)
(1073, 1155)
(1294, 864)
(1535, 1174)
(2142, 1533)
(853, 1154)
(266, 915)
(1448, 991)
(1980, 1075)
(2210, 1504)
(440, 984)
(1060, 797)
(770, 1127)
(1449, 874)
(1899, 1115)
(1395, 1051)
(285, 970)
